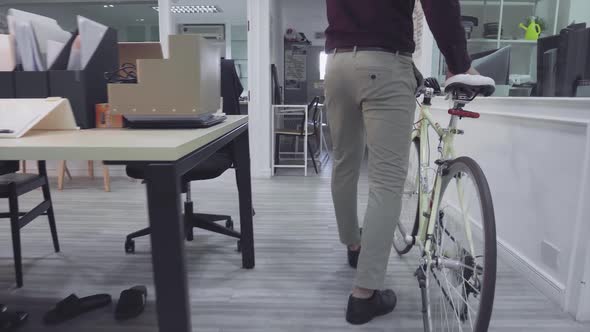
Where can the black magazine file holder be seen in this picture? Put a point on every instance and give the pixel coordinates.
(7, 87)
(87, 87)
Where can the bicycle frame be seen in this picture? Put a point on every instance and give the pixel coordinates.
(429, 199)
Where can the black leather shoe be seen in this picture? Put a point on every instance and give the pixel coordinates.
(353, 257)
(362, 311)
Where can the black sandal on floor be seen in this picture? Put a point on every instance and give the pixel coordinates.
(73, 306)
(11, 320)
(131, 303)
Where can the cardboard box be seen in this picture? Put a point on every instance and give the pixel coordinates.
(186, 83)
(130, 52)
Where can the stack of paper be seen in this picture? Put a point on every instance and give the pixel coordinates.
(91, 34)
(7, 53)
(39, 39)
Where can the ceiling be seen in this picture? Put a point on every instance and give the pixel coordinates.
(233, 11)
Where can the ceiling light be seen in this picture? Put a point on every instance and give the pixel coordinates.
(111, 6)
(106, 6)
(193, 9)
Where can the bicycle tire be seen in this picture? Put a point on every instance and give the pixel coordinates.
(399, 244)
(488, 284)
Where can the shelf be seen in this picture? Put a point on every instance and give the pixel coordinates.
(497, 3)
(518, 41)
(482, 40)
(502, 41)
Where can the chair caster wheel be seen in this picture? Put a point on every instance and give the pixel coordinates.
(239, 249)
(130, 246)
(229, 224)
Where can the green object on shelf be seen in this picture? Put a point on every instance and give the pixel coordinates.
(533, 30)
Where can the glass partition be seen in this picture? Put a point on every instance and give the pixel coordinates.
(503, 39)
(134, 22)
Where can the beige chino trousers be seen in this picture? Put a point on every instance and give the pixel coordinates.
(370, 103)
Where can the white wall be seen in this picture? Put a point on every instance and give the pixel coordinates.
(583, 312)
(167, 25)
(573, 10)
(259, 60)
(580, 11)
(307, 16)
(535, 153)
(277, 37)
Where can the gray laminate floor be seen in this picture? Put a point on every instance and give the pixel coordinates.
(300, 283)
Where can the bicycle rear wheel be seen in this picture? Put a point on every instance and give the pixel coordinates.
(409, 221)
(462, 278)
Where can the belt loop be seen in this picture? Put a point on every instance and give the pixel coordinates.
(335, 51)
(354, 51)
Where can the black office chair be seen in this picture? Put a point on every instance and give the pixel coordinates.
(13, 185)
(215, 166)
(313, 112)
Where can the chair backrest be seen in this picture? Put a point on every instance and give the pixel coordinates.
(231, 88)
(7, 167)
(277, 98)
(313, 114)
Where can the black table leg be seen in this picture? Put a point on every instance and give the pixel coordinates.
(168, 256)
(242, 159)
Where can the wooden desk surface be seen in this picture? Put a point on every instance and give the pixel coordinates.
(114, 144)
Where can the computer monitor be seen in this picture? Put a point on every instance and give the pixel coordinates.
(564, 69)
(546, 68)
(572, 58)
(494, 64)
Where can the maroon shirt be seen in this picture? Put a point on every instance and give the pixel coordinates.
(389, 24)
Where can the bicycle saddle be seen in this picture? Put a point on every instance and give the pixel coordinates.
(473, 85)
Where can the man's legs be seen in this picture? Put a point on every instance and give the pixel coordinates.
(388, 112)
(372, 92)
(348, 138)
(388, 137)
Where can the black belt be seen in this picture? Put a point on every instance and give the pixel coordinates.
(371, 49)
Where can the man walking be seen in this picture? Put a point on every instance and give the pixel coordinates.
(370, 87)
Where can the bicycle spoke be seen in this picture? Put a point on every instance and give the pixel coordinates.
(446, 311)
(453, 304)
(468, 312)
(458, 294)
(448, 300)
(464, 212)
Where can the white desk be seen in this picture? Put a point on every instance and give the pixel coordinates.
(114, 144)
(166, 155)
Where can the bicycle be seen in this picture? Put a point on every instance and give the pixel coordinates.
(457, 267)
